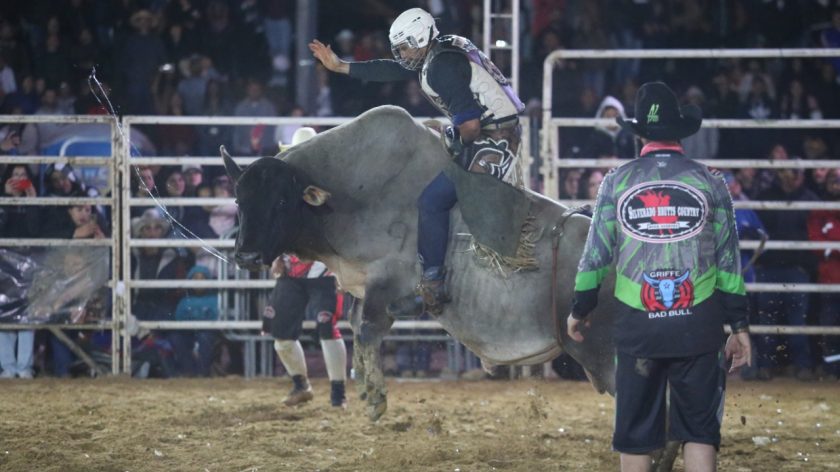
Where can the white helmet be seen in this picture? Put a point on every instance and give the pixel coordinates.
(414, 28)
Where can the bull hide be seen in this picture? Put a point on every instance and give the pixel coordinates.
(375, 167)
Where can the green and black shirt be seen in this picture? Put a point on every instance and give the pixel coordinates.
(668, 225)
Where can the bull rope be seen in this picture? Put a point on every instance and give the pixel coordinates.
(525, 258)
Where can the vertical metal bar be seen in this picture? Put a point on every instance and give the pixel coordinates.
(125, 190)
(116, 275)
(306, 28)
(486, 30)
(525, 159)
(514, 43)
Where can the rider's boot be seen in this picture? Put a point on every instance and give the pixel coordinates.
(429, 295)
(301, 391)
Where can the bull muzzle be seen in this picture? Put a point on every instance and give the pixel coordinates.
(249, 260)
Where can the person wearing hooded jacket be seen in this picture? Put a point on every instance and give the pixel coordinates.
(610, 140)
(197, 305)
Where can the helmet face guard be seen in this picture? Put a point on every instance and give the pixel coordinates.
(414, 59)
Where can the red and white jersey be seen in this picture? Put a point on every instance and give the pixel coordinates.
(299, 269)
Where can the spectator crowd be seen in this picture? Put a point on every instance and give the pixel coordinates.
(224, 57)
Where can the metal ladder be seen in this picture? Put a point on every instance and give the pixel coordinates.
(495, 13)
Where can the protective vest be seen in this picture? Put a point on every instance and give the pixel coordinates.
(491, 90)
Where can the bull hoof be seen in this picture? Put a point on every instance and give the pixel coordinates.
(376, 410)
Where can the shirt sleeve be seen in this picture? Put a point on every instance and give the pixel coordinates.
(597, 257)
(449, 76)
(380, 70)
(729, 283)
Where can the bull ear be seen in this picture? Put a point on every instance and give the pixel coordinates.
(232, 168)
(315, 196)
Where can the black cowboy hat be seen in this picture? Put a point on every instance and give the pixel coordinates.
(659, 117)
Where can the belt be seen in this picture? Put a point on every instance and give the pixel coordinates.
(502, 123)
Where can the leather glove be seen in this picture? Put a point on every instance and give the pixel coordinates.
(452, 138)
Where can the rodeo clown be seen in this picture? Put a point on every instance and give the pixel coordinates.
(678, 275)
(484, 137)
(306, 290)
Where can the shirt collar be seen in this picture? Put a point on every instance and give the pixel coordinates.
(657, 147)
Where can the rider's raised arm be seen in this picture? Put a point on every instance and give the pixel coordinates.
(380, 70)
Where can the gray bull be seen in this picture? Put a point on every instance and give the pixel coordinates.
(348, 198)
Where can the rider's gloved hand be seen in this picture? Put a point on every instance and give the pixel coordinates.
(452, 138)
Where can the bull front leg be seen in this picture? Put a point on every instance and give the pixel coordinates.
(372, 327)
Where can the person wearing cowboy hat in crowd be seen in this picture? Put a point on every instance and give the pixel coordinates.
(669, 222)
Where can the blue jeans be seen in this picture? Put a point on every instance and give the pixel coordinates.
(433, 222)
(785, 308)
(62, 356)
(9, 362)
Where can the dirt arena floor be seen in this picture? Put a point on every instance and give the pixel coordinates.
(231, 424)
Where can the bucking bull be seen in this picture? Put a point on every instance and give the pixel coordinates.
(347, 197)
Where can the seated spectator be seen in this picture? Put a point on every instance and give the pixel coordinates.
(223, 217)
(193, 177)
(824, 225)
(798, 104)
(785, 266)
(25, 98)
(197, 305)
(174, 186)
(78, 222)
(19, 221)
(197, 218)
(143, 186)
(593, 180)
(569, 184)
(150, 263)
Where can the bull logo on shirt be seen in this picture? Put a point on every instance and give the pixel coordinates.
(667, 289)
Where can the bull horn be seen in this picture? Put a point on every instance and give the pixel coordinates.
(232, 168)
